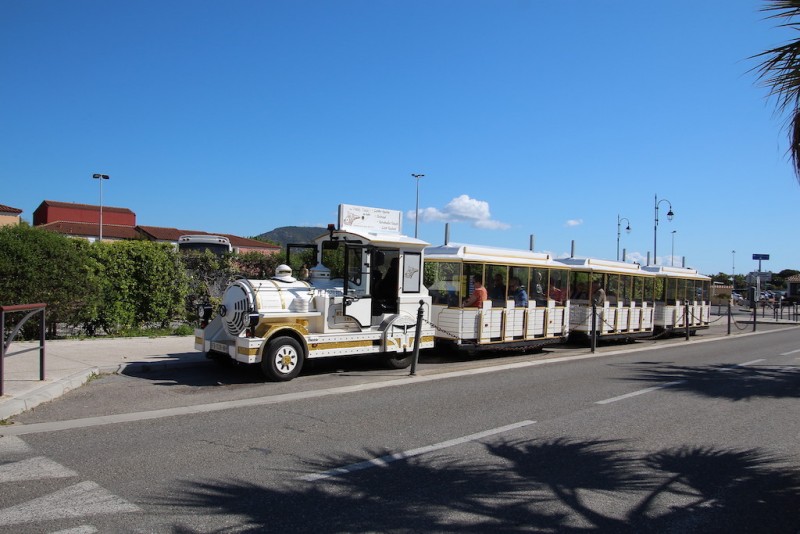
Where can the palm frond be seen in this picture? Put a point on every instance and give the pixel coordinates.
(779, 71)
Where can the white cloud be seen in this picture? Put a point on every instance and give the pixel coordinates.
(462, 209)
(574, 222)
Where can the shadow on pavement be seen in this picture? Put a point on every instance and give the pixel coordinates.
(560, 485)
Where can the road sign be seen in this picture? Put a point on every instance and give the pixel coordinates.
(760, 256)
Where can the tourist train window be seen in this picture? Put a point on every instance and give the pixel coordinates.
(539, 285)
(579, 286)
(659, 289)
(612, 288)
(559, 281)
(625, 289)
(496, 283)
(467, 281)
(443, 280)
(523, 275)
(682, 288)
(638, 289)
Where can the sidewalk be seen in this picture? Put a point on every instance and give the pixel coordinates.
(70, 363)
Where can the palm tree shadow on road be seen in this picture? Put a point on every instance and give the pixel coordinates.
(558, 485)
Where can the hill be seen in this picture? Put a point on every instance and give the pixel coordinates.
(292, 234)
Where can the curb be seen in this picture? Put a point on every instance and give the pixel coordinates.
(58, 388)
(46, 393)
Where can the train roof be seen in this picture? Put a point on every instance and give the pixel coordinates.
(678, 272)
(479, 253)
(375, 238)
(606, 266)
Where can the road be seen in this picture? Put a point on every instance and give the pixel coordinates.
(685, 437)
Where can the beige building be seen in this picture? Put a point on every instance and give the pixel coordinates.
(9, 215)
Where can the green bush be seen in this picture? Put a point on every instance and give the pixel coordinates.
(41, 266)
(143, 284)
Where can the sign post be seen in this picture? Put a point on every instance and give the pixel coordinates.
(760, 257)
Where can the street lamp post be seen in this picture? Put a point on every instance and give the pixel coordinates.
(416, 216)
(733, 269)
(672, 254)
(101, 177)
(670, 215)
(619, 230)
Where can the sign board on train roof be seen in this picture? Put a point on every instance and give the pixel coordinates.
(365, 219)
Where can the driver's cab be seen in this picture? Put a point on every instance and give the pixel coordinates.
(380, 268)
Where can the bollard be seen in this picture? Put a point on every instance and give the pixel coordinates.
(417, 333)
(686, 319)
(755, 316)
(729, 317)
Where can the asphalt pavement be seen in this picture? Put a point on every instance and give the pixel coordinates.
(69, 364)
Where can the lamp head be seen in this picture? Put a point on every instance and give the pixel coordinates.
(670, 215)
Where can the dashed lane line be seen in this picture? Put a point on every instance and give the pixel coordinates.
(641, 392)
(389, 458)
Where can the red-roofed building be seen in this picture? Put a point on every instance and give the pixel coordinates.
(83, 221)
(90, 231)
(239, 244)
(9, 215)
(51, 211)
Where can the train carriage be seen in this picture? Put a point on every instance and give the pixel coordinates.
(526, 305)
(623, 294)
(682, 298)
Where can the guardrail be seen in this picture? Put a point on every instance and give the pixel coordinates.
(32, 309)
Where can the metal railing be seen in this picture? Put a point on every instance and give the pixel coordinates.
(31, 309)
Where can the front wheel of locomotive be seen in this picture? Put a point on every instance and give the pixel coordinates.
(282, 359)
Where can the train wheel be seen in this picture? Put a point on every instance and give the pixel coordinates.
(283, 359)
(397, 361)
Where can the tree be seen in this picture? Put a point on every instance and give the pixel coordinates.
(256, 265)
(780, 72)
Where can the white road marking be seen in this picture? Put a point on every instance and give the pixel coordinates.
(385, 460)
(83, 529)
(641, 392)
(790, 352)
(83, 499)
(745, 364)
(13, 445)
(38, 468)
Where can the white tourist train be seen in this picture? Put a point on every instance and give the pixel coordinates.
(469, 296)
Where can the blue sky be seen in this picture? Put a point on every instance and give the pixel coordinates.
(549, 118)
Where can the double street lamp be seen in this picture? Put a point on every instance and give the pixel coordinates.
(670, 215)
(619, 230)
(101, 177)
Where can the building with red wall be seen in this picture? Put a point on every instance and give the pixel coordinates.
(51, 211)
(83, 221)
